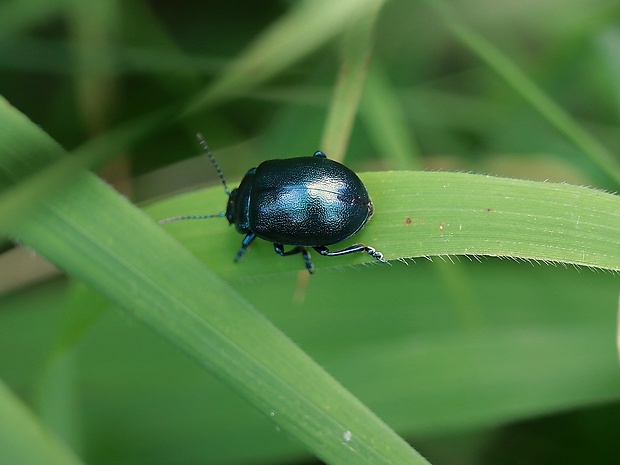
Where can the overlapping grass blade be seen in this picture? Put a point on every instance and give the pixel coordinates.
(24, 440)
(95, 235)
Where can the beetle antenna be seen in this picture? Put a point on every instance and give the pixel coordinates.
(192, 217)
(205, 147)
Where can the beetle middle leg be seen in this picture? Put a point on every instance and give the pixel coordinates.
(355, 248)
(279, 248)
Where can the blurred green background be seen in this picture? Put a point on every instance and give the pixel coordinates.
(486, 361)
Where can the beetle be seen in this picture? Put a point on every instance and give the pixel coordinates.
(306, 202)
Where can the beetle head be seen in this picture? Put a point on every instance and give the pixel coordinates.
(230, 206)
(238, 207)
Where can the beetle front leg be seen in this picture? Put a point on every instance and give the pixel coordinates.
(351, 249)
(247, 240)
(279, 248)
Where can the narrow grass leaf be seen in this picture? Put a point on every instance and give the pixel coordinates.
(43, 166)
(424, 214)
(308, 26)
(94, 234)
(357, 45)
(16, 16)
(386, 122)
(23, 440)
(532, 93)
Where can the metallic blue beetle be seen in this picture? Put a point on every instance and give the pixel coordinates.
(308, 202)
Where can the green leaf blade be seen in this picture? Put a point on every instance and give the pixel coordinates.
(426, 214)
(24, 440)
(95, 235)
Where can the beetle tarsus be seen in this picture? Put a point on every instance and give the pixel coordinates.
(247, 240)
(351, 249)
(373, 252)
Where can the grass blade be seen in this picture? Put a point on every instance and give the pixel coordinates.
(308, 26)
(535, 96)
(23, 440)
(356, 51)
(424, 214)
(385, 121)
(95, 235)
(427, 214)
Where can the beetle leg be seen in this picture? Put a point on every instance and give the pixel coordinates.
(279, 248)
(247, 240)
(351, 249)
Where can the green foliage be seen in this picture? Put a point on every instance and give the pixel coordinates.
(149, 362)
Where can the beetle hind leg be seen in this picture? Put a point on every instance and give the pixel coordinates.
(355, 248)
(279, 248)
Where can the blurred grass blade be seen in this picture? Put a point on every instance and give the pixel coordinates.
(355, 56)
(386, 122)
(533, 94)
(609, 45)
(95, 27)
(56, 398)
(308, 26)
(23, 440)
(43, 166)
(618, 329)
(16, 15)
(94, 234)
